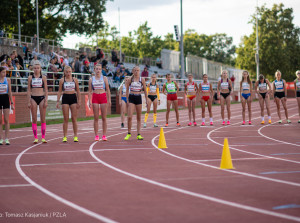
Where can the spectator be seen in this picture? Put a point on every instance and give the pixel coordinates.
(10, 67)
(51, 76)
(34, 60)
(114, 57)
(66, 60)
(232, 81)
(145, 72)
(34, 41)
(86, 70)
(35, 52)
(158, 63)
(77, 67)
(57, 64)
(99, 53)
(117, 76)
(1, 36)
(83, 56)
(19, 67)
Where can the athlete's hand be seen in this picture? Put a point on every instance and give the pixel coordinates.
(45, 104)
(29, 105)
(12, 107)
(78, 105)
(57, 105)
(90, 105)
(109, 103)
(158, 102)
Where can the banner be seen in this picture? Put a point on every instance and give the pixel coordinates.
(12, 113)
(89, 111)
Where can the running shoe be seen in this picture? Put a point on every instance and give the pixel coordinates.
(249, 122)
(1, 142)
(36, 141)
(65, 139)
(262, 122)
(243, 123)
(189, 124)
(44, 140)
(7, 142)
(104, 138)
(203, 123)
(166, 125)
(280, 121)
(270, 121)
(211, 123)
(145, 125)
(155, 125)
(139, 137)
(223, 123)
(122, 125)
(288, 121)
(228, 122)
(195, 123)
(96, 138)
(127, 137)
(75, 139)
(178, 124)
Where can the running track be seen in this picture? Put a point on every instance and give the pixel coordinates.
(133, 181)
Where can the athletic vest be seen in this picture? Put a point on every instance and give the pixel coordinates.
(98, 84)
(224, 85)
(262, 86)
(279, 85)
(152, 88)
(37, 82)
(170, 87)
(205, 87)
(245, 86)
(190, 87)
(69, 86)
(298, 85)
(136, 86)
(4, 87)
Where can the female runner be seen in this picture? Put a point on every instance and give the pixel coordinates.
(263, 96)
(123, 101)
(37, 94)
(172, 89)
(99, 92)
(136, 84)
(224, 89)
(280, 93)
(246, 95)
(70, 100)
(190, 90)
(6, 102)
(153, 97)
(297, 90)
(206, 95)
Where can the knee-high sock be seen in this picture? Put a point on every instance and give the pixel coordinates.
(43, 128)
(34, 129)
(154, 117)
(146, 117)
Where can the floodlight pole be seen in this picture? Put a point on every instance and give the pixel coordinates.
(181, 44)
(257, 45)
(37, 26)
(19, 22)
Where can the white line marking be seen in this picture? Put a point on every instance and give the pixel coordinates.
(16, 185)
(231, 159)
(202, 196)
(56, 197)
(46, 164)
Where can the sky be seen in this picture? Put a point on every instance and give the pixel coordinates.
(204, 16)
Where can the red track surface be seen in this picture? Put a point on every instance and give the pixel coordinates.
(132, 181)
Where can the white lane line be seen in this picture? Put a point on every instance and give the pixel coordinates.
(193, 194)
(46, 164)
(231, 159)
(259, 132)
(243, 151)
(16, 185)
(55, 196)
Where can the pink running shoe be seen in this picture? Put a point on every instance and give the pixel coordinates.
(223, 123)
(203, 123)
(96, 138)
(228, 122)
(104, 138)
(195, 123)
(250, 123)
(211, 123)
(243, 123)
(190, 124)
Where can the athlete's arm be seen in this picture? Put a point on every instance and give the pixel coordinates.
(29, 91)
(10, 94)
(177, 88)
(295, 87)
(157, 92)
(270, 87)
(145, 87)
(218, 88)
(255, 87)
(285, 89)
(127, 91)
(241, 89)
(164, 88)
(120, 94)
(59, 92)
(46, 91)
(251, 96)
(211, 90)
(230, 85)
(185, 87)
(78, 93)
(107, 91)
(90, 92)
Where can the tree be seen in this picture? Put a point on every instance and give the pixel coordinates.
(279, 43)
(56, 17)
